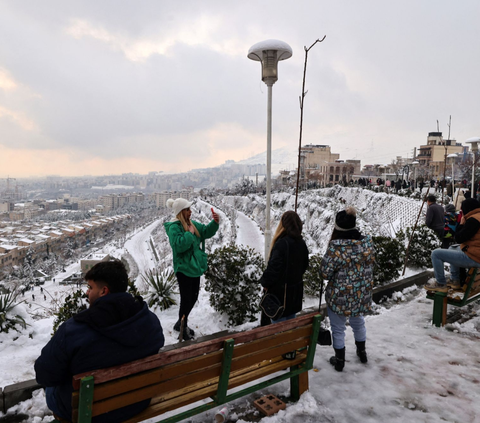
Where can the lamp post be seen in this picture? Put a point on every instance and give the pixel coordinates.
(452, 158)
(269, 53)
(407, 168)
(474, 146)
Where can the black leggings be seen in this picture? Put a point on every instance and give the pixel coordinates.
(189, 289)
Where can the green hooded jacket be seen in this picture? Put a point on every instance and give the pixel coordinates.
(188, 256)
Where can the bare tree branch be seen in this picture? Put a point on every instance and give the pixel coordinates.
(302, 98)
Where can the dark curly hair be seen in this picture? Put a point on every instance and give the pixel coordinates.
(110, 273)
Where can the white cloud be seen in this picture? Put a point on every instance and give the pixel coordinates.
(201, 30)
(19, 119)
(7, 83)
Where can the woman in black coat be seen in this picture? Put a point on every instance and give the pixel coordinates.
(287, 263)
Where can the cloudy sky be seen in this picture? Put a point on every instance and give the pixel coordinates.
(102, 87)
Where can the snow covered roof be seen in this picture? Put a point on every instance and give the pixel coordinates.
(8, 247)
(27, 241)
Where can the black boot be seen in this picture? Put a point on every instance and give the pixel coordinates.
(338, 360)
(361, 351)
(177, 325)
(187, 336)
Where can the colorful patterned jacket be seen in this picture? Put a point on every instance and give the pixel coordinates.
(348, 267)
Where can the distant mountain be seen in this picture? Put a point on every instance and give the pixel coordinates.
(282, 159)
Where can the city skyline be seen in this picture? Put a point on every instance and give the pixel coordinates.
(112, 88)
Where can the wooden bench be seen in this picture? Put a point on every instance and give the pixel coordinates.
(469, 293)
(185, 373)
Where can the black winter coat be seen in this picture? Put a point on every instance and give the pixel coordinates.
(116, 329)
(287, 264)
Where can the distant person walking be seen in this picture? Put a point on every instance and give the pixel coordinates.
(348, 268)
(187, 239)
(435, 218)
(287, 263)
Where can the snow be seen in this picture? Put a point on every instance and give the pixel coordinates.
(416, 372)
(284, 50)
(250, 235)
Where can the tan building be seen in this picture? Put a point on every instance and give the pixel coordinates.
(432, 155)
(318, 163)
(162, 197)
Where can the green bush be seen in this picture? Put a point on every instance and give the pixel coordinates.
(232, 279)
(8, 320)
(312, 279)
(160, 288)
(74, 303)
(423, 242)
(389, 254)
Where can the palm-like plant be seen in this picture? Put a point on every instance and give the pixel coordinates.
(7, 319)
(160, 288)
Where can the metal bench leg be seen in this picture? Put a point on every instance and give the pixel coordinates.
(439, 309)
(298, 384)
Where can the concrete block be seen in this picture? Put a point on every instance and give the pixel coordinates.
(269, 405)
(18, 392)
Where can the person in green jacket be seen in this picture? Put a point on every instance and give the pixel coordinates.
(189, 258)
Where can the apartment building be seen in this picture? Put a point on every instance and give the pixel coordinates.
(431, 156)
(162, 197)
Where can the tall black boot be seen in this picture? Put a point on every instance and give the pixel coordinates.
(338, 360)
(361, 351)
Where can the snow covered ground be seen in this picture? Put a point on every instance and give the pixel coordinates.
(416, 372)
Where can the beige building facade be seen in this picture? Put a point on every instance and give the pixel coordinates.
(432, 155)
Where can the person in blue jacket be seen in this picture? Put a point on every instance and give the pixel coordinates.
(116, 328)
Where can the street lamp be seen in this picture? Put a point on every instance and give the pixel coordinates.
(407, 168)
(452, 158)
(269, 53)
(474, 141)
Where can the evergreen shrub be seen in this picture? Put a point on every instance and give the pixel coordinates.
(424, 241)
(74, 303)
(389, 254)
(160, 288)
(8, 320)
(312, 278)
(232, 279)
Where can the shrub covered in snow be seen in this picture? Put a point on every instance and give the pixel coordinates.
(74, 303)
(160, 288)
(312, 278)
(9, 318)
(389, 254)
(423, 242)
(232, 281)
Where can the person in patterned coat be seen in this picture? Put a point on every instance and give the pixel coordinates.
(348, 268)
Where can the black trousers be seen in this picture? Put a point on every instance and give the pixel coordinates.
(189, 289)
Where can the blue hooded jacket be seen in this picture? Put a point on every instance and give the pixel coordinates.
(116, 329)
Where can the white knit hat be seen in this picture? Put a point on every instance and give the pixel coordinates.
(178, 205)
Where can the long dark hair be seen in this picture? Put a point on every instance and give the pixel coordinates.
(290, 225)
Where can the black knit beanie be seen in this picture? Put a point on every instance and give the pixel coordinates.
(346, 219)
(469, 204)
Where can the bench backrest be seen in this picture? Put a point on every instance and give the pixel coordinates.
(195, 371)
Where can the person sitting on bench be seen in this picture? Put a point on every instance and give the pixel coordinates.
(465, 255)
(116, 329)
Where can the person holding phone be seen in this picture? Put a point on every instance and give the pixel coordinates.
(187, 239)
